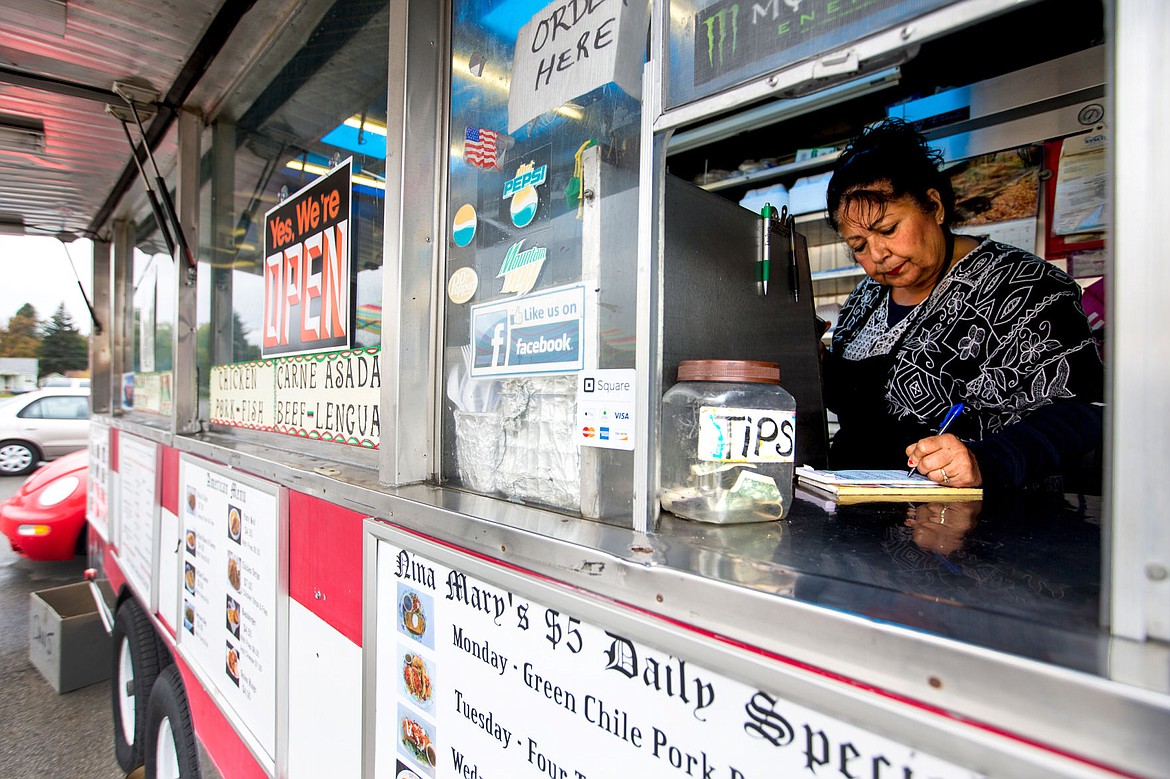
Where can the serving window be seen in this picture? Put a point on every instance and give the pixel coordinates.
(147, 387)
(290, 257)
(539, 253)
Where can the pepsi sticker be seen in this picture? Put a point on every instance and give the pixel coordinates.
(463, 229)
(524, 205)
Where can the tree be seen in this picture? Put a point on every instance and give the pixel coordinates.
(62, 347)
(242, 351)
(23, 334)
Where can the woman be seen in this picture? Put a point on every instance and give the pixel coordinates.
(945, 318)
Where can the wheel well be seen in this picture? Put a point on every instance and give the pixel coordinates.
(125, 594)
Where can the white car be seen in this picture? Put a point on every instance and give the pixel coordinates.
(42, 425)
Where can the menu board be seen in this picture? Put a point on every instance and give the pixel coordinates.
(97, 494)
(473, 679)
(138, 508)
(230, 569)
(331, 396)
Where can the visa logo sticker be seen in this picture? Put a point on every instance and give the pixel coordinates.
(605, 408)
(526, 176)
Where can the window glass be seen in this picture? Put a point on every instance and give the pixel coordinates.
(290, 261)
(540, 252)
(154, 296)
(63, 407)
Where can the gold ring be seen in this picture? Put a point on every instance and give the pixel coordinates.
(942, 516)
(946, 479)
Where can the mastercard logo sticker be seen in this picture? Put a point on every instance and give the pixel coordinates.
(524, 205)
(588, 432)
(465, 223)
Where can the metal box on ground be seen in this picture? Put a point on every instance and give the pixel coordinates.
(66, 640)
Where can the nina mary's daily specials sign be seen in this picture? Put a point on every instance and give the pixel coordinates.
(308, 286)
(475, 680)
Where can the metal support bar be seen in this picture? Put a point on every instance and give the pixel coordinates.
(185, 381)
(101, 385)
(414, 219)
(121, 325)
(1138, 566)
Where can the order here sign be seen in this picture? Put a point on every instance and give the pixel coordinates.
(307, 280)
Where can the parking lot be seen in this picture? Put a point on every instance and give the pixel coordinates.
(45, 734)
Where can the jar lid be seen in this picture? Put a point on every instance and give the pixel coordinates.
(751, 371)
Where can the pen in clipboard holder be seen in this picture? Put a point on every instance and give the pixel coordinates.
(764, 259)
(793, 274)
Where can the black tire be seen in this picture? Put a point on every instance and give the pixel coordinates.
(171, 751)
(137, 660)
(82, 546)
(18, 458)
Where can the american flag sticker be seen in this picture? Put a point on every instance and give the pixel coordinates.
(479, 147)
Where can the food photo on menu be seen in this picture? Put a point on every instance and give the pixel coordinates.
(233, 663)
(414, 610)
(404, 772)
(417, 681)
(192, 500)
(233, 616)
(417, 741)
(191, 541)
(189, 577)
(235, 523)
(233, 572)
(189, 616)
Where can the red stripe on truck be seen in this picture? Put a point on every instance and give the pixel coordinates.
(169, 490)
(227, 750)
(325, 562)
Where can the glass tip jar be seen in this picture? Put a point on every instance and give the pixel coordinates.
(728, 441)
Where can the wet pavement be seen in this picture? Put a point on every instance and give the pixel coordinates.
(46, 735)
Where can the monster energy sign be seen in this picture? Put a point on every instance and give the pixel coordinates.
(730, 35)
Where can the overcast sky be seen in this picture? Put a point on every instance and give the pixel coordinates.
(36, 271)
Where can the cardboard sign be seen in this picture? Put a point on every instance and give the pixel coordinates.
(323, 397)
(308, 284)
(571, 47)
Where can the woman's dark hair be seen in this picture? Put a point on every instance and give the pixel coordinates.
(894, 152)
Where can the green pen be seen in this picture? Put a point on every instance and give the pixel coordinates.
(765, 257)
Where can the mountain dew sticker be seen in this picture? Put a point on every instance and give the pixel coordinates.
(521, 267)
(746, 435)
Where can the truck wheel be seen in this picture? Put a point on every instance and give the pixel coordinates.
(137, 660)
(171, 752)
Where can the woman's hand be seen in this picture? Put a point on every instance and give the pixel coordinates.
(946, 460)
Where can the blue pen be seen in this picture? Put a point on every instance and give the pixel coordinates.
(942, 428)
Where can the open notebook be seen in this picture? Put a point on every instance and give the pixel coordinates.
(857, 486)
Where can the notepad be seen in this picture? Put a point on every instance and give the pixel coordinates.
(856, 486)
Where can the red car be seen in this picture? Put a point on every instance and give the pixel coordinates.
(45, 519)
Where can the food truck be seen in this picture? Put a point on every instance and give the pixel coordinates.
(377, 413)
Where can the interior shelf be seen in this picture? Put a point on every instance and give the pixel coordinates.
(814, 164)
